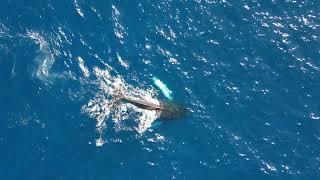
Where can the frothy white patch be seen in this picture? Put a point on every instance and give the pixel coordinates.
(314, 116)
(104, 107)
(173, 61)
(76, 4)
(122, 62)
(246, 7)
(147, 117)
(99, 142)
(84, 69)
(158, 138)
(148, 46)
(269, 166)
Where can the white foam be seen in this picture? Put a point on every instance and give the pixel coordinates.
(269, 166)
(173, 60)
(84, 69)
(99, 142)
(314, 116)
(45, 58)
(122, 62)
(76, 4)
(102, 107)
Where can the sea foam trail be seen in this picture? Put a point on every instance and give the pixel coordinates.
(45, 58)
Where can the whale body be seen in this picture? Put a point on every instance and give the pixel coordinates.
(168, 109)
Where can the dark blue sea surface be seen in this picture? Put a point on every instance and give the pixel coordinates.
(247, 71)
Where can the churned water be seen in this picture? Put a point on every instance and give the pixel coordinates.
(247, 71)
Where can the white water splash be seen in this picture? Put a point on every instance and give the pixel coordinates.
(103, 108)
(76, 4)
(122, 62)
(84, 69)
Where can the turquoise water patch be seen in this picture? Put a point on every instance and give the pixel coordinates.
(163, 87)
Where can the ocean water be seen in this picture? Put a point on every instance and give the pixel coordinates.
(248, 72)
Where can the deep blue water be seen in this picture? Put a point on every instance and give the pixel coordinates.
(248, 71)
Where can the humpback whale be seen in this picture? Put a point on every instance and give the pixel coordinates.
(167, 109)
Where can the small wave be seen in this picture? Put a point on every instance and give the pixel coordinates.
(119, 30)
(122, 62)
(76, 4)
(84, 69)
(314, 116)
(3, 30)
